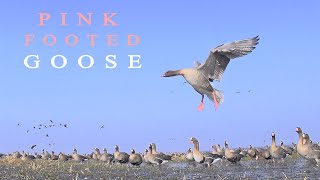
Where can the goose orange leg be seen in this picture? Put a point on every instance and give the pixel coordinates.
(201, 106)
(216, 104)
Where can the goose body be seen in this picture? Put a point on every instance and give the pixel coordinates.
(134, 158)
(106, 157)
(63, 157)
(189, 155)
(252, 152)
(53, 156)
(77, 157)
(288, 150)
(231, 155)
(154, 158)
(213, 68)
(275, 151)
(301, 149)
(311, 153)
(120, 157)
(159, 154)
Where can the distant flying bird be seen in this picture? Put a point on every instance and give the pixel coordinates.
(65, 126)
(33, 146)
(34, 127)
(102, 127)
(27, 131)
(237, 92)
(18, 124)
(201, 76)
(47, 135)
(51, 121)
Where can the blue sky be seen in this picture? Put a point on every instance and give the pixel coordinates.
(137, 106)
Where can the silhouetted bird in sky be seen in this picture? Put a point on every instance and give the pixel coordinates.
(33, 146)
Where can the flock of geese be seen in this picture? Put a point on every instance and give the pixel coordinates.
(304, 147)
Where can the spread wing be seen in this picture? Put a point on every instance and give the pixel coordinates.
(220, 56)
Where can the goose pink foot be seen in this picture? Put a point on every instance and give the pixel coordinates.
(216, 104)
(201, 106)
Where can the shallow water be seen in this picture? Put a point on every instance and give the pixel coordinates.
(291, 168)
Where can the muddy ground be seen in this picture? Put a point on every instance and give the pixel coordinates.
(291, 168)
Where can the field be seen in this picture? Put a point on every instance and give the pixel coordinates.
(290, 168)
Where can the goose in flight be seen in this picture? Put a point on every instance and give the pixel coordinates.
(200, 76)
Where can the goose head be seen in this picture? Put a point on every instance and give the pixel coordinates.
(133, 151)
(116, 148)
(170, 73)
(193, 140)
(298, 130)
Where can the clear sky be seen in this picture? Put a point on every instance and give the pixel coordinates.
(138, 106)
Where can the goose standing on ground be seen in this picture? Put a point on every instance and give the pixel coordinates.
(232, 155)
(45, 155)
(265, 153)
(160, 155)
(219, 150)
(215, 151)
(120, 157)
(145, 157)
(252, 152)
(25, 157)
(199, 157)
(201, 76)
(77, 157)
(135, 159)
(189, 155)
(96, 154)
(275, 151)
(53, 156)
(311, 153)
(154, 158)
(63, 157)
(289, 150)
(301, 149)
(106, 157)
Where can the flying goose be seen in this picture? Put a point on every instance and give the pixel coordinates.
(275, 151)
(201, 76)
(134, 158)
(120, 157)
